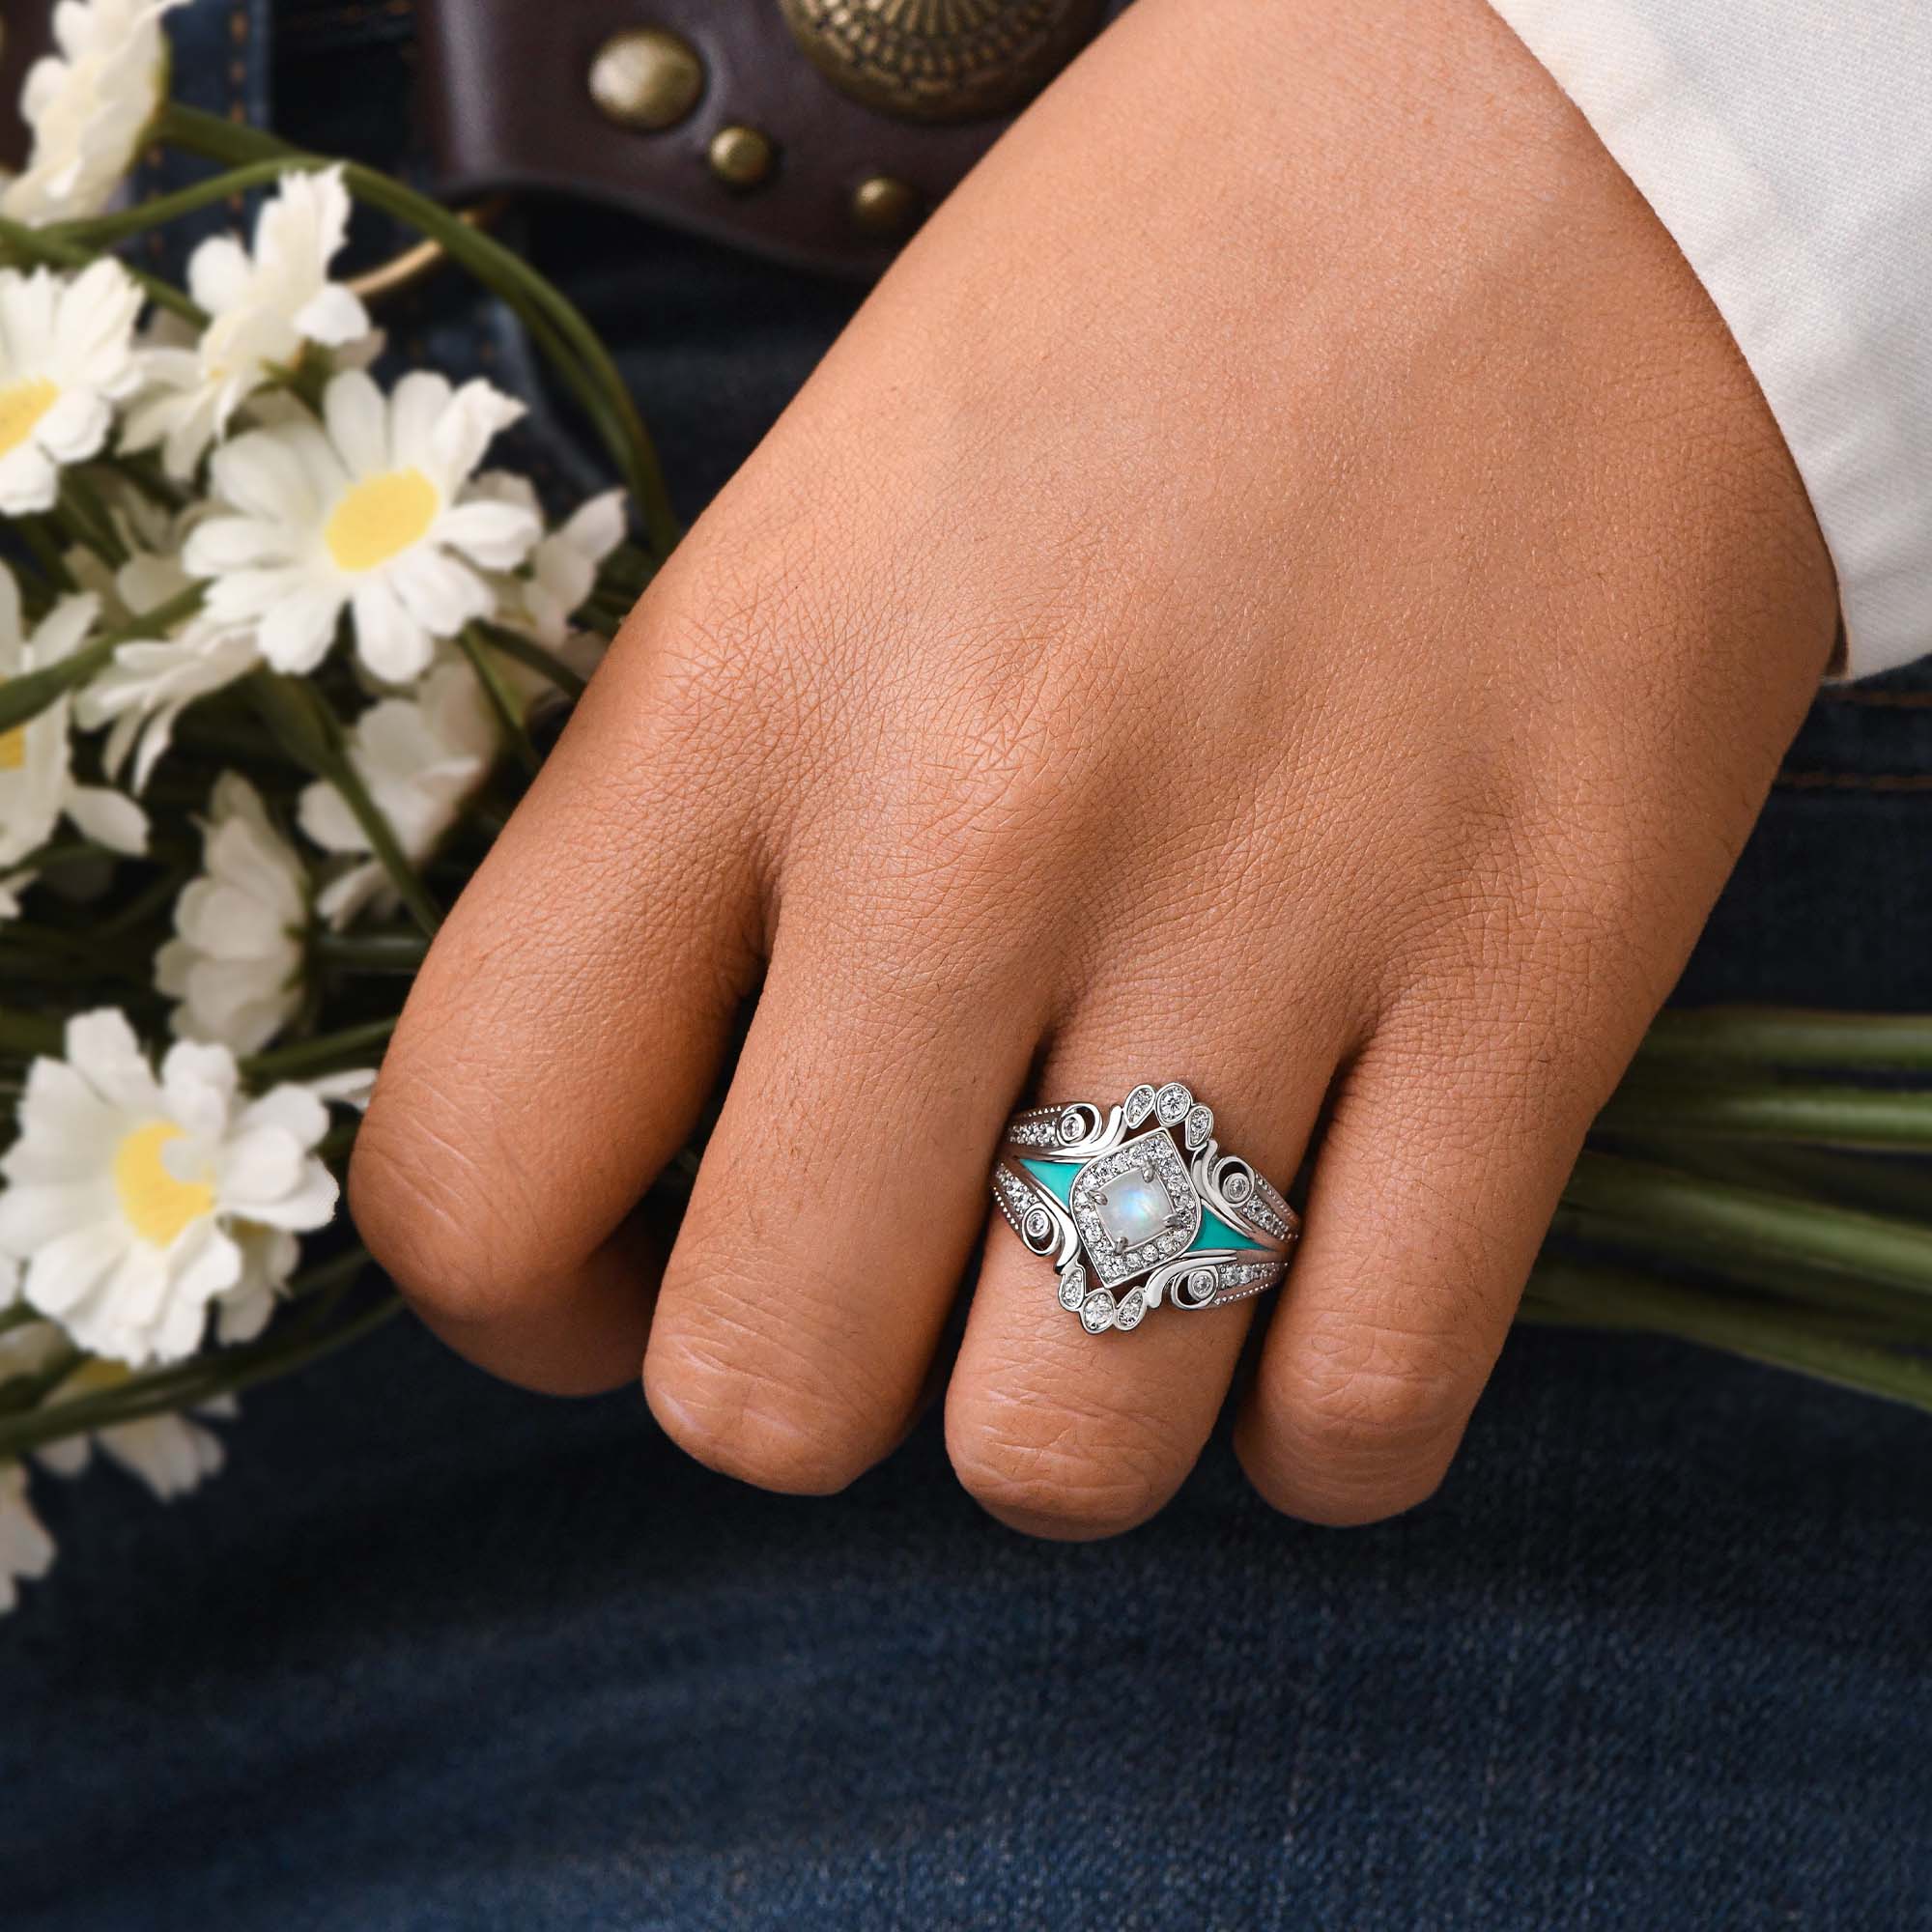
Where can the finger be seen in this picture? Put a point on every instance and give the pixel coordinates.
(1436, 1182)
(837, 1205)
(1060, 1433)
(562, 1040)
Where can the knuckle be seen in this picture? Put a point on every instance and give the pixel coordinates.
(1053, 1471)
(751, 1392)
(439, 1225)
(1360, 1431)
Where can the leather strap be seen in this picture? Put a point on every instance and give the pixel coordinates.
(508, 104)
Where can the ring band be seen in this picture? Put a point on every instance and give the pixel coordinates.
(1138, 1205)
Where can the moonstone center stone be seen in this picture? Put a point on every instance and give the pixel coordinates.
(1135, 1209)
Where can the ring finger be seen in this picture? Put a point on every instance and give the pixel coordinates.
(1059, 1431)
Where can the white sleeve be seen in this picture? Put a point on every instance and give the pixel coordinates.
(1787, 147)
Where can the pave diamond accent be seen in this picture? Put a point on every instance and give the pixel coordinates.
(1034, 1133)
(1072, 1286)
(1156, 1167)
(1171, 1104)
(1097, 1311)
(1267, 1210)
(1133, 1305)
(1199, 1125)
(1016, 1202)
(1138, 1105)
(1239, 1274)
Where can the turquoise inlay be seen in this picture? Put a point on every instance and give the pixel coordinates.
(1056, 1176)
(1215, 1233)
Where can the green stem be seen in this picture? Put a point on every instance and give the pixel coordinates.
(23, 698)
(1656, 1203)
(37, 244)
(323, 1054)
(1774, 1110)
(556, 324)
(27, 1035)
(1758, 1037)
(532, 656)
(370, 952)
(166, 1391)
(1828, 1293)
(309, 731)
(502, 700)
(100, 230)
(1576, 1294)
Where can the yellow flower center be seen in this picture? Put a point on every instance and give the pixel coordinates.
(21, 405)
(381, 519)
(12, 749)
(157, 1207)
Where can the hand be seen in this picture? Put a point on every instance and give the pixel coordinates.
(1288, 584)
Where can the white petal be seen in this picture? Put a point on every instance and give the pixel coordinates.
(497, 535)
(335, 316)
(390, 642)
(109, 817)
(359, 423)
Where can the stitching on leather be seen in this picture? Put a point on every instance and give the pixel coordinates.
(1877, 782)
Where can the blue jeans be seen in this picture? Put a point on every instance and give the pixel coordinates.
(436, 1654)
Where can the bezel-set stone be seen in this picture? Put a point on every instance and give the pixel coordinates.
(1171, 1104)
(1097, 1311)
(1153, 1153)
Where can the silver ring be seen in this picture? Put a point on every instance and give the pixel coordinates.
(1138, 1205)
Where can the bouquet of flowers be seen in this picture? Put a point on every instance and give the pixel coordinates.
(276, 654)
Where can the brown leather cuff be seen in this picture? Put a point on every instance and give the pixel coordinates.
(818, 131)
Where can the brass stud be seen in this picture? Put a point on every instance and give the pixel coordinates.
(647, 78)
(741, 157)
(884, 209)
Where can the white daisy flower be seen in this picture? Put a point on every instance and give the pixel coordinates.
(563, 566)
(136, 1202)
(26, 1550)
(89, 106)
(236, 961)
(36, 782)
(264, 310)
(365, 512)
(151, 681)
(67, 355)
(171, 1453)
(421, 757)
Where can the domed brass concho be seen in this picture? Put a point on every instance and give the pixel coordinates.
(941, 60)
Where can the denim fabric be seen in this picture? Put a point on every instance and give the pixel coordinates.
(433, 1654)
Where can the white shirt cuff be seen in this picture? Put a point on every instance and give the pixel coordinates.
(1787, 147)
